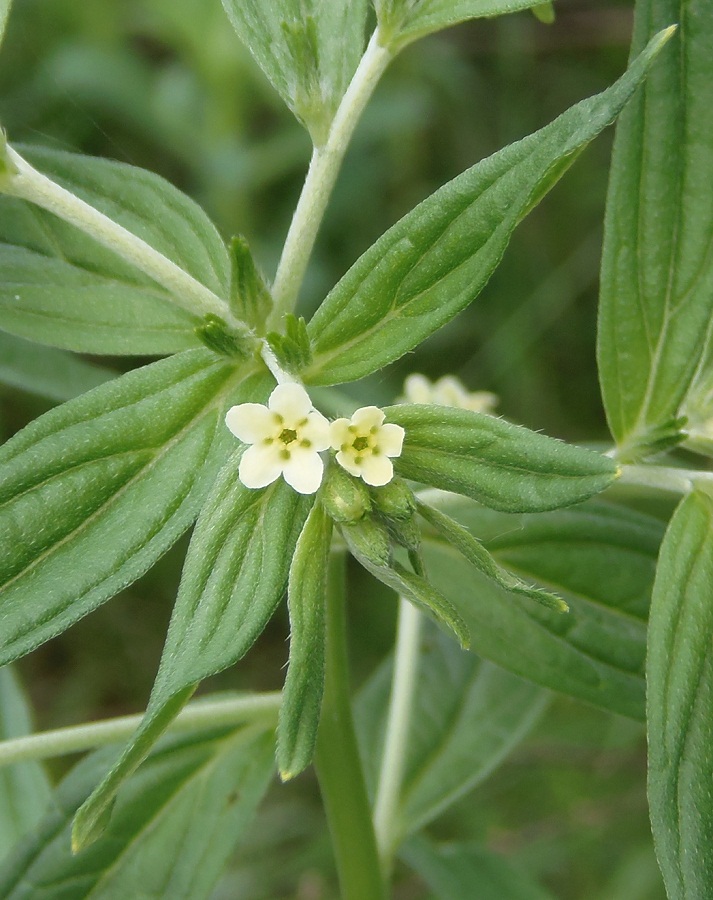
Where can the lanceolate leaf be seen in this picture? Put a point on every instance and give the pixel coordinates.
(4, 13)
(679, 675)
(655, 333)
(95, 491)
(436, 260)
(304, 685)
(468, 715)
(504, 466)
(234, 576)
(309, 49)
(59, 287)
(173, 830)
(599, 557)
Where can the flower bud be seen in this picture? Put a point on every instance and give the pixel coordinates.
(345, 498)
(368, 539)
(395, 500)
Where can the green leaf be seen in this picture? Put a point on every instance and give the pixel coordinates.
(436, 260)
(679, 675)
(24, 787)
(451, 871)
(59, 287)
(47, 372)
(309, 49)
(234, 576)
(599, 557)
(173, 830)
(655, 334)
(250, 300)
(95, 491)
(502, 465)
(468, 716)
(403, 21)
(304, 685)
(4, 13)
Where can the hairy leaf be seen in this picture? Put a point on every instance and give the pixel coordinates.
(95, 491)
(435, 261)
(679, 675)
(60, 287)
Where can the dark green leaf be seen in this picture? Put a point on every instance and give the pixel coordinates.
(59, 287)
(173, 830)
(95, 491)
(436, 260)
(655, 335)
(679, 675)
(468, 716)
(599, 557)
(4, 13)
(502, 465)
(234, 576)
(24, 787)
(304, 685)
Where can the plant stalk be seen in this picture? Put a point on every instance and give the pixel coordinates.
(339, 769)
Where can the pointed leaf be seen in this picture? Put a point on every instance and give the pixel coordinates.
(504, 466)
(59, 287)
(4, 13)
(95, 491)
(304, 685)
(234, 576)
(436, 260)
(679, 675)
(655, 337)
(174, 828)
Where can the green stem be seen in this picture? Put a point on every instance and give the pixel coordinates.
(199, 715)
(321, 176)
(393, 761)
(26, 183)
(339, 770)
(664, 478)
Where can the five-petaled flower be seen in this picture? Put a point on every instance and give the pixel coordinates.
(364, 444)
(286, 436)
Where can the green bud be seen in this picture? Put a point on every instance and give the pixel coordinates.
(395, 500)
(217, 336)
(345, 498)
(250, 299)
(368, 539)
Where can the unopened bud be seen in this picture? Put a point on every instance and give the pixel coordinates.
(345, 498)
(395, 500)
(368, 539)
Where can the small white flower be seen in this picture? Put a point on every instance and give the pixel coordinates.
(364, 445)
(287, 436)
(447, 391)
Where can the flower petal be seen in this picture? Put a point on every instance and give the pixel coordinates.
(260, 466)
(303, 471)
(291, 401)
(250, 422)
(390, 439)
(316, 430)
(367, 417)
(346, 461)
(377, 470)
(417, 389)
(339, 433)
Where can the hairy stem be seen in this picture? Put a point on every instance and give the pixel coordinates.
(323, 170)
(403, 686)
(664, 478)
(26, 183)
(199, 715)
(339, 770)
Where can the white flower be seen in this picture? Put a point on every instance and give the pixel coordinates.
(286, 436)
(447, 391)
(364, 445)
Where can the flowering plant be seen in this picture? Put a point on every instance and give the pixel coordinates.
(483, 529)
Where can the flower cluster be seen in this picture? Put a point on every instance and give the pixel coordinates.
(287, 436)
(447, 391)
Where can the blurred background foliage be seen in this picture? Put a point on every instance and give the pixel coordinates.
(165, 85)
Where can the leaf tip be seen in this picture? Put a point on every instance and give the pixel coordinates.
(286, 775)
(89, 824)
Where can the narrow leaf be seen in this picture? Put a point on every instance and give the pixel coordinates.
(95, 491)
(304, 685)
(436, 260)
(679, 675)
(174, 828)
(59, 287)
(502, 465)
(4, 13)
(655, 333)
(234, 576)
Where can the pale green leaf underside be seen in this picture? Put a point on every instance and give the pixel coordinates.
(680, 702)
(435, 261)
(95, 491)
(4, 13)
(173, 828)
(599, 557)
(655, 332)
(59, 287)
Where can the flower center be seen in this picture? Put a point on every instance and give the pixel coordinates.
(287, 435)
(360, 443)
